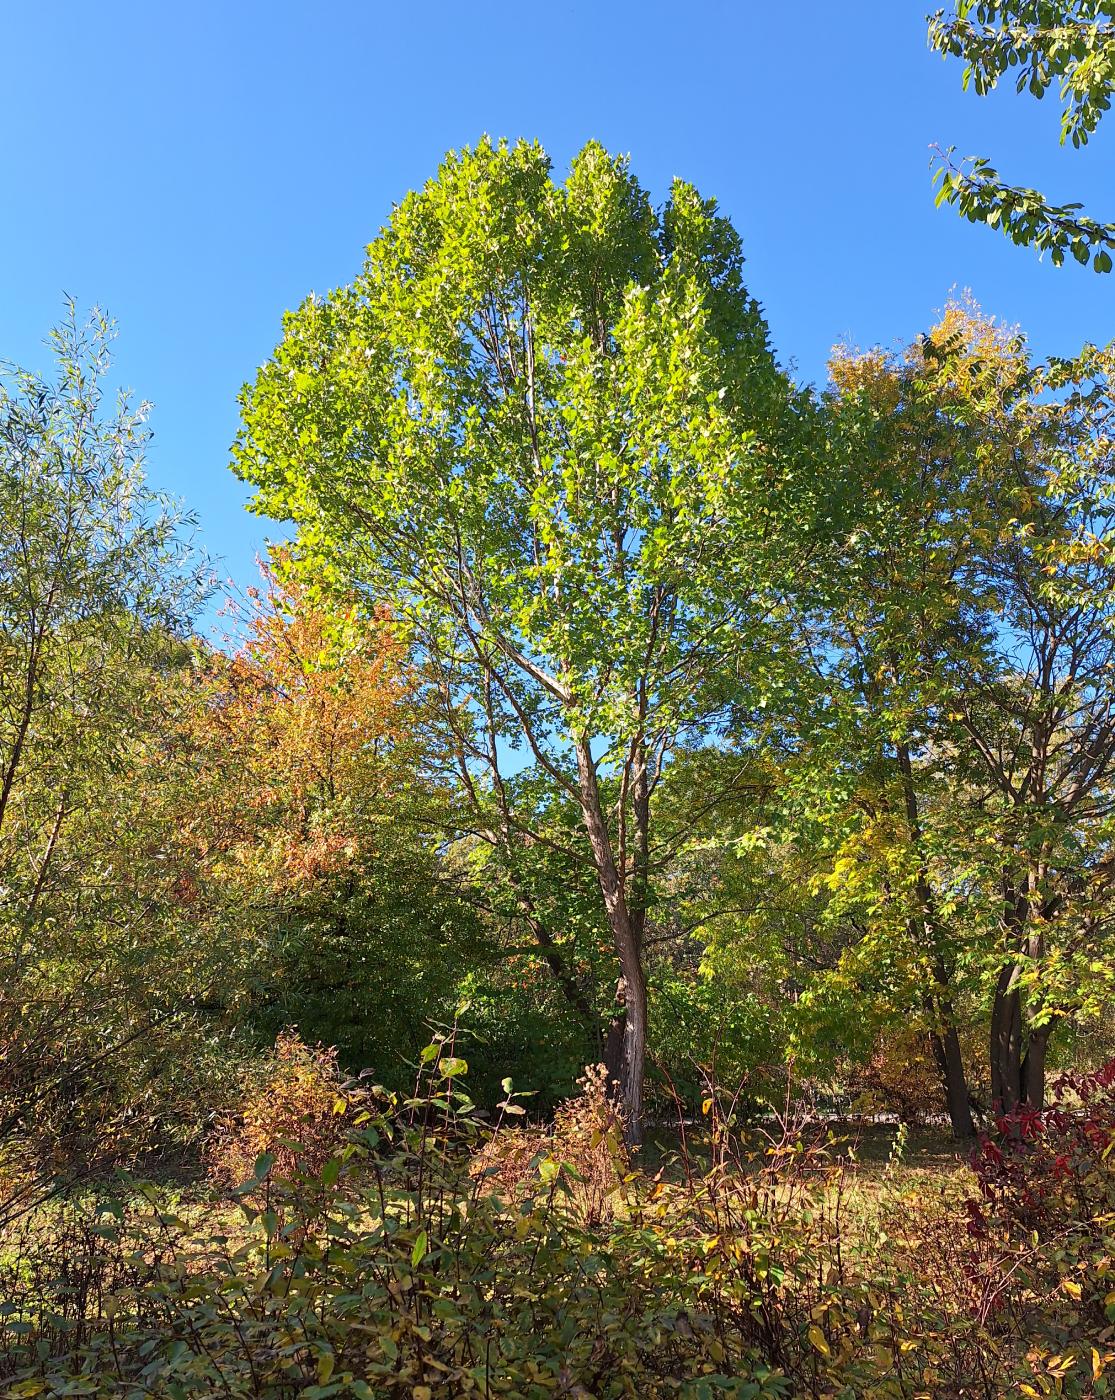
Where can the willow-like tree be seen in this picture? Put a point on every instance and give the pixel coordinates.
(98, 587)
(546, 422)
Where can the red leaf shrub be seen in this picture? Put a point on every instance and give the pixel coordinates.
(1045, 1218)
(1049, 1170)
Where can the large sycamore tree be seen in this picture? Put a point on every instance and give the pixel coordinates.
(546, 423)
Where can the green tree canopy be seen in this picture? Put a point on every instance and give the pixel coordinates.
(546, 422)
(98, 588)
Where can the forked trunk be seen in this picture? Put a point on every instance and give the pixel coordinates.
(1018, 1052)
(1017, 1059)
(946, 1042)
(1006, 1042)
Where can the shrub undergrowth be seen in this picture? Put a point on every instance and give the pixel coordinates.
(422, 1250)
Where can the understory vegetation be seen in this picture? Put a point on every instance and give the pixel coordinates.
(408, 1246)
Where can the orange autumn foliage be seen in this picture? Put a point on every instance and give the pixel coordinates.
(963, 349)
(297, 1107)
(298, 734)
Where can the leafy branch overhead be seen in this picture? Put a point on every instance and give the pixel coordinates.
(1067, 43)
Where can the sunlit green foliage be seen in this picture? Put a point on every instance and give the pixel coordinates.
(98, 589)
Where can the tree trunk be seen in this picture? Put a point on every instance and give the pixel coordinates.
(613, 1052)
(950, 1061)
(1033, 1067)
(1006, 1041)
(634, 1058)
(1017, 1059)
(627, 943)
(946, 1042)
(1018, 1053)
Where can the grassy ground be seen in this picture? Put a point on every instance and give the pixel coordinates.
(887, 1178)
(867, 1148)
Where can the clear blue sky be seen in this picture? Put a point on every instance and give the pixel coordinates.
(198, 168)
